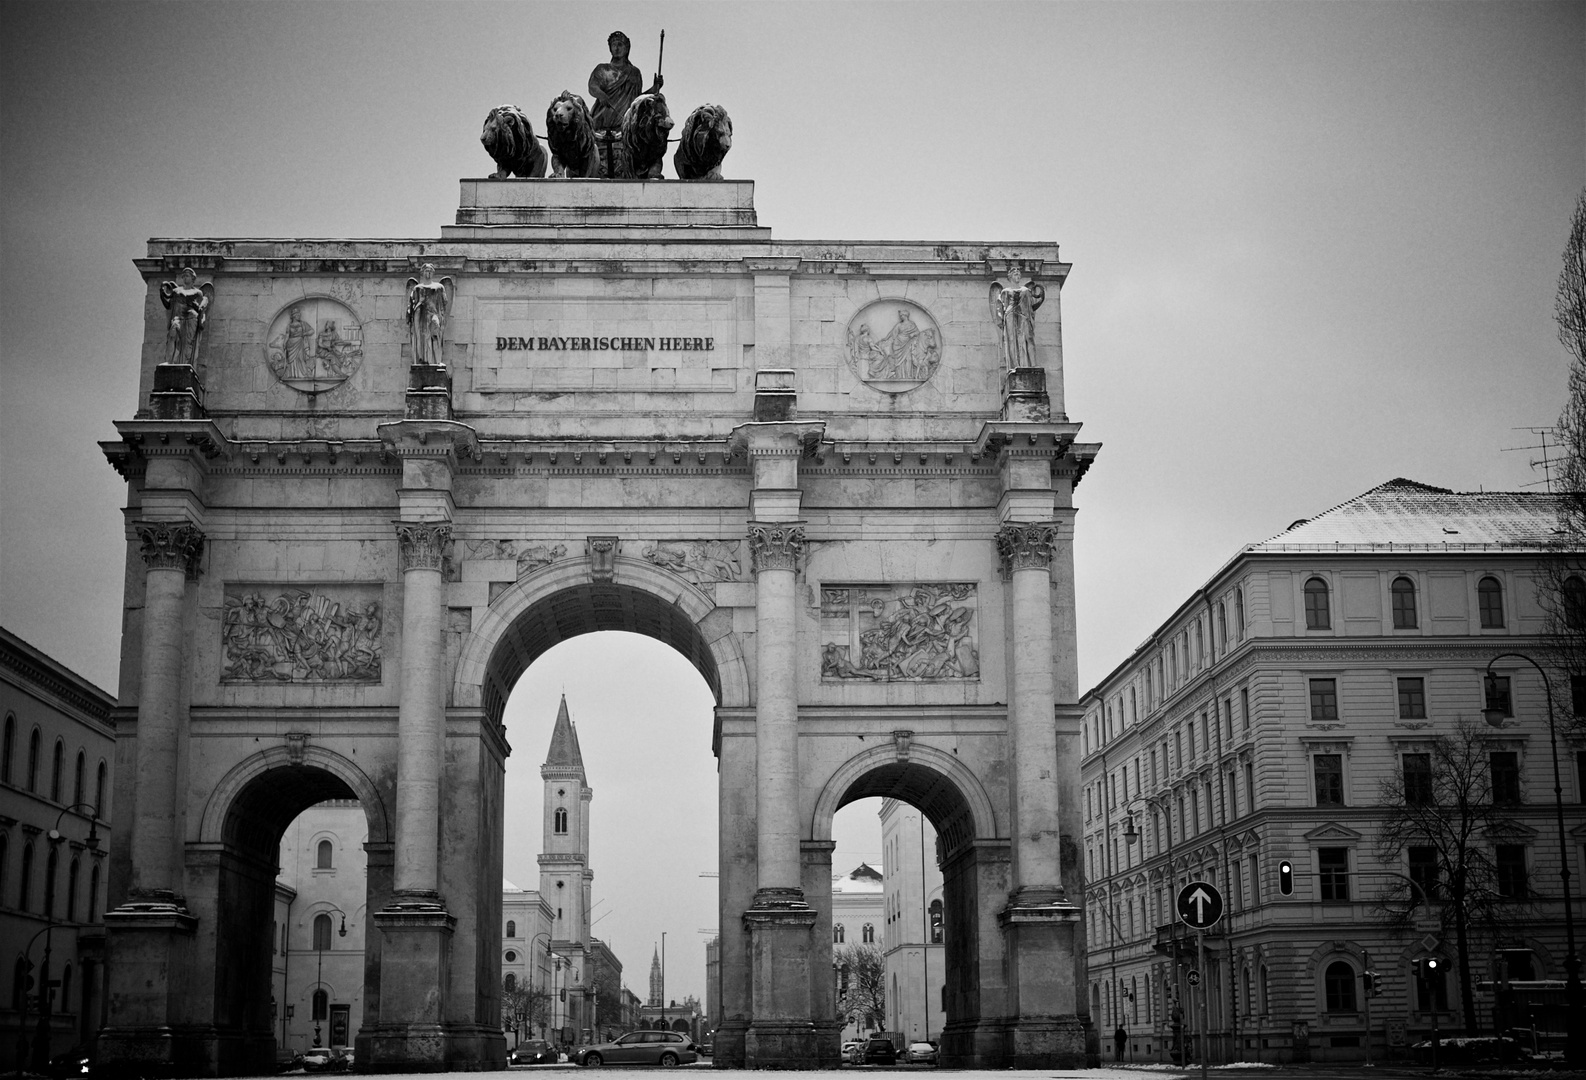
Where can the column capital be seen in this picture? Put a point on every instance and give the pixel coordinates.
(775, 546)
(170, 545)
(1026, 545)
(422, 544)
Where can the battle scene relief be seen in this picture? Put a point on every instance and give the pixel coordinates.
(888, 633)
(324, 633)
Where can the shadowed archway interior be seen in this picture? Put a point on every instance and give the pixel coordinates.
(586, 609)
(262, 810)
(922, 787)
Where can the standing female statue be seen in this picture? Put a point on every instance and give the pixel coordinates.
(1013, 304)
(429, 302)
(614, 85)
(188, 302)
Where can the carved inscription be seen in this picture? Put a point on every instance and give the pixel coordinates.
(325, 633)
(891, 633)
(700, 561)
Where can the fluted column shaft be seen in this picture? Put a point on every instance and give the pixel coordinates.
(1026, 551)
(421, 713)
(775, 550)
(170, 552)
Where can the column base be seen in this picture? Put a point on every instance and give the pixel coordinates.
(1046, 1031)
(974, 1044)
(410, 1034)
(1053, 1043)
(148, 942)
(782, 1032)
(781, 1046)
(412, 1048)
(729, 1042)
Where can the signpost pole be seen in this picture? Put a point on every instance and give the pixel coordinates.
(1206, 1035)
(1367, 990)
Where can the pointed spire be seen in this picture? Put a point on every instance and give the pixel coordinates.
(564, 741)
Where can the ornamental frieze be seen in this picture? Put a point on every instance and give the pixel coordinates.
(894, 345)
(169, 545)
(894, 633)
(528, 556)
(1026, 546)
(775, 547)
(700, 561)
(317, 634)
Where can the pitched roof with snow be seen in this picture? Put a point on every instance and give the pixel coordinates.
(1418, 516)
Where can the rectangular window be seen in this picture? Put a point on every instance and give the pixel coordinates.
(1505, 776)
(1333, 866)
(1497, 695)
(1255, 881)
(1577, 695)
(1237, 879)
(1195, 810)
(1189, 728)
(1417, 779)
(1509, 860)
(1250, 788)
(1423, 871)
(1178, 749)
(1580, 776)
(1329, 769)
(1324, 700)
(1154, 780)
(1412, 699)
(1244, 706)
(1228, 717)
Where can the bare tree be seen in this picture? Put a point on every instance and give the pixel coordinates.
(1444, 823)
(862, 986)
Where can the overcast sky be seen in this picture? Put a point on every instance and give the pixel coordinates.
(1314, 248)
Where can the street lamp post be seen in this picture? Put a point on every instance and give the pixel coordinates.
(41, 1039)
(319, 971)
(1575, 1046)
(1160, 801)
(547, 936)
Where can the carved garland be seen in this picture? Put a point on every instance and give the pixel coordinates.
(1026, 546)
(170, 545)
(775, 547)
(422, 544)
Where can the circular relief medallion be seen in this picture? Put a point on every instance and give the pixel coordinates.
(314, 344)
(894, 345)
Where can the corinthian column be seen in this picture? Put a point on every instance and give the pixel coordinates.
(421, 714)
(774, 550)
(1026, 553)
(171, 551)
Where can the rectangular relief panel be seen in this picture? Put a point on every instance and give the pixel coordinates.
(921, 632)
(320, 633)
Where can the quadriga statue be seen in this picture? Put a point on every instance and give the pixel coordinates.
(508, 137)
(707, 136)
(641, 147)
(572, 137)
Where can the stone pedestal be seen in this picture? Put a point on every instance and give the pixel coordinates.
(1046, 1033)
(177, 394)
(415, 955)
(149, 943)
(1024, 396)
(781, 1033)
(429, 395)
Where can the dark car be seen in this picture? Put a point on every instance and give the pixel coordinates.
(533, 1052)
(667, 1049)
(75, 1062)
(881, 1052)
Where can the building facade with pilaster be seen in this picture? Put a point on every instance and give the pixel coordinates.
(1286, 712)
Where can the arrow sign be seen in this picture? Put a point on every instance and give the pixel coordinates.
(1200, 905)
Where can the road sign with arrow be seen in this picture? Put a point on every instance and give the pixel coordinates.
(1200, 905)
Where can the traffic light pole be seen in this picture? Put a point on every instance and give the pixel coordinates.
(1368, 986)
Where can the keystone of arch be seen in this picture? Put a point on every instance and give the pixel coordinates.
(725, 648)
(212, 827)
(969, 788)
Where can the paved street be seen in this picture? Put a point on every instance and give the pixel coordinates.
(1157, 1072)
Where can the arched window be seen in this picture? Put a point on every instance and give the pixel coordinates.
(1403, 590)
(77, 787)
(837, 933)
(99, 793)
(1222, 625)
(91, 912)
(936, 922)
(8, 749)
(34, 749)
(1239, 613)
(1489, 598)
(512, 928)
(1318, 611)
(51, 866)
(868, 934)
(321, 1005)
(561, 819)
(510, 982)
(322, 931)
(71, 889)
(324, 854)
(1574, 603)
(1340, 987)
(56, 763)
(25, 887)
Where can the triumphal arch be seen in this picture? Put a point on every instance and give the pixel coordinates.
(370, 481)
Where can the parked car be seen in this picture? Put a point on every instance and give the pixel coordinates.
(854, 1052)
(881, 1052)
(920, 1053)
(533, 1052)
(319, 1059)
(74, 1063)
(667, 1049)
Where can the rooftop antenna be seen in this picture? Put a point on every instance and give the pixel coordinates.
(1547, 462)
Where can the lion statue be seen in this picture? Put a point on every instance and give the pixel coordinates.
(572, 137)
(641, 147)
(509, 139)
(707, 136)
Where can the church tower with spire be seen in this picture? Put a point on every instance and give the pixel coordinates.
(565, 877)
(656, 989)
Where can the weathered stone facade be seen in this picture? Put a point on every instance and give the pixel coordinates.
(802, 464)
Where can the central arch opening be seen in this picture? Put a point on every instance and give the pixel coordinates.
(608, 866)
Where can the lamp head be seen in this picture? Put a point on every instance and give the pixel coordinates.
(1130, 833)
(1494, 712)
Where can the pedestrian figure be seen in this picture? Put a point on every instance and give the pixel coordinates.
(1119, 1038)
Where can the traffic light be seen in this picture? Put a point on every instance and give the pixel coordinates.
(1433, 965)
(1286, 878)
(1370, 980)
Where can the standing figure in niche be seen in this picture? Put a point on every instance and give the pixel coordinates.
(188, 302)
(1013, 304)
(614, 85)
(293, 348)
(429, 302)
